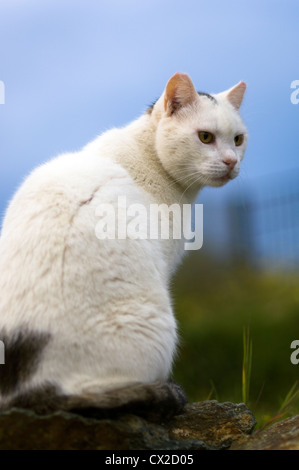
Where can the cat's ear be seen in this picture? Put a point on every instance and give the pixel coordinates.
(235, 94)
(179, 92)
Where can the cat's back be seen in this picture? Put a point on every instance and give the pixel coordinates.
(49, 231)
(56, 190)
(57, 187)
(52, 261)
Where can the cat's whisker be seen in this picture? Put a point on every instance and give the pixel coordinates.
(185, 180)
(195, 179)
(181, 179)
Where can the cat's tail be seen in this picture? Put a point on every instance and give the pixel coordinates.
(156, 401)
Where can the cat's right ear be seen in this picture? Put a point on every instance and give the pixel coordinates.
(179, 92)
(235, 94)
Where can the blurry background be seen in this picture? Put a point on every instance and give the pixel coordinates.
(73, 69)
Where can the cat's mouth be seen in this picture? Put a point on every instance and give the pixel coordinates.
(230, 175)
(221, 180)
(225, 178)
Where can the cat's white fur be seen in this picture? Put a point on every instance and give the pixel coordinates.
(106, 303)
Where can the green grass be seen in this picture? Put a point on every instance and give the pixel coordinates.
(247, 364)
(218, 359)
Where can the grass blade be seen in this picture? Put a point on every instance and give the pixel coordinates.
(247, 364)
(290, 397)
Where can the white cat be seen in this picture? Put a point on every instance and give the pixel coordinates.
(89, 320)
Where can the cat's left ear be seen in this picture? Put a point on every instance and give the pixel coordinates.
(179, 92)
(235, 94)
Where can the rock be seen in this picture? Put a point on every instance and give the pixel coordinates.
(283, 435)
(23, 429)
(203, 426)
(217, 424)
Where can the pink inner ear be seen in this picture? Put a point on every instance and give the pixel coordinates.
(235, 94)
(178, 93)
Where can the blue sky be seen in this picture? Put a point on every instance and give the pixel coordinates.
(73, 69)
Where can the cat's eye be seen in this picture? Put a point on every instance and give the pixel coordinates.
(206, 137)
(239, 140)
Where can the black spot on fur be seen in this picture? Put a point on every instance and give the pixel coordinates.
(23, 351)
(151, 107)
(154, 402)
(43, 400)
(177, 105)
(201, 93)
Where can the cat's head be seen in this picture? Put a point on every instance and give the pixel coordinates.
(200, 138)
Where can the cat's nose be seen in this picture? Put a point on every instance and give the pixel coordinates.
(230, 161)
